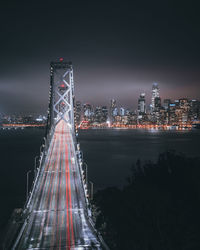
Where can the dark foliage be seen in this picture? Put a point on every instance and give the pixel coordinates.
(159, 208)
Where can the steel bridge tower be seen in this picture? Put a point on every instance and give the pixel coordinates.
(61, 94)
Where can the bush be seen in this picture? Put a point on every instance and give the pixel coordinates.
(159, 208)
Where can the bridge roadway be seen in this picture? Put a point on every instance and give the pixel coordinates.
(57, 218)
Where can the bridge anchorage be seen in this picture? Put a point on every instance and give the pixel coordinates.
(56, 214)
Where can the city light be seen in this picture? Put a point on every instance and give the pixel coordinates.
(179, 114)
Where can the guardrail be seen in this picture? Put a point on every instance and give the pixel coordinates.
(42, 158)
(88, 210)
(43, 152)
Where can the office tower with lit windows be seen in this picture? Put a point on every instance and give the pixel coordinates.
(155, 94)
(98, 114)
(104, 110)
(88, 112)
(122, 111)
(184, 104)
(113, 110)
(166, 104)
(194, 110)
(141, 104)
(157, 104)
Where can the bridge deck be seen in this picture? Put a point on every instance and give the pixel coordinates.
(57, 210)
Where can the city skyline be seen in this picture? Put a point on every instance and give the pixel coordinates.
(131, 104)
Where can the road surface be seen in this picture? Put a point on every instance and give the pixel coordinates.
(57, 218)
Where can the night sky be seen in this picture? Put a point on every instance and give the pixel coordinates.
(118, 49)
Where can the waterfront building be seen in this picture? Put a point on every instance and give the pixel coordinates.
(163, 116)
(127, 112)
(118, 119)
(166, 104)
(172, 114)
(184, 104)
(177, 104)
(125, 119)
(141, 104)
(88, 112)
(157, 104)
(132, 118)
(104, 114)
(122, 111)
(194, 113)
(113, 110)
(98, 114)
(155, 94)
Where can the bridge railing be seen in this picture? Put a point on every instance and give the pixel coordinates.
(88, 213)
(42, 158)
(43, 153)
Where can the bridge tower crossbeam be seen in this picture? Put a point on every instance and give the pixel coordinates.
(61, 95)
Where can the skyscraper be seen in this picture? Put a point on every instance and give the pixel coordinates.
(157, 102)
(141, 104)
(166, 104)
(115, 112)
(88, 112)
(155, 94)
(104, 113)
(113, 109)
(98, 114)
(122, 111)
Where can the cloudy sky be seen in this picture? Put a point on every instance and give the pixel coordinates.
(118, 49)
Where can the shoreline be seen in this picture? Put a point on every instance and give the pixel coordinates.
(149, 127)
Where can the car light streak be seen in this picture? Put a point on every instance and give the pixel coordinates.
(58, 213)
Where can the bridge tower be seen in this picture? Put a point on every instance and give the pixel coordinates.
(61, 94)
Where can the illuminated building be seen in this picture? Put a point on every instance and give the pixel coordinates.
(122, 111)
(98, 114)
(125, 119)
(163, 116)
(141, 104)
(184, 104)
(157, 104)
(166, 104)
(176, 102)
(104, 113)
(172, 114)
(194, 113)
(113, 110)
(88, 112)
(155, 94)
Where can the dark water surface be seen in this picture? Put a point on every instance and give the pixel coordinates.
(108, 153)
(18, 149)
(111, 153)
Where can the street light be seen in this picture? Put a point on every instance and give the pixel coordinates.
(35, 165)
(45, 144)
(41, 147)
(86, 173)
(27, 181)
